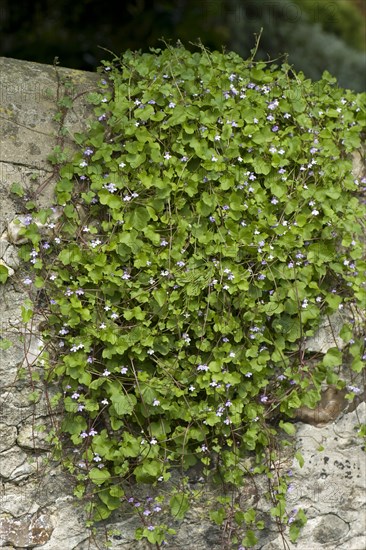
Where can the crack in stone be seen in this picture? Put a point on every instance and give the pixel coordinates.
(24, 165)
(26, 127)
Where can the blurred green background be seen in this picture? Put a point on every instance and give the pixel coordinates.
(316, 34)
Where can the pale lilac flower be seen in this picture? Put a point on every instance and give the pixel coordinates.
(354, 389)
(93, 432)
(273, 105)
(110, 187)
(202, 367)
(27, 281)
(156, 403)
(106, 372)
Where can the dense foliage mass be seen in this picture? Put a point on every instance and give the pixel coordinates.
(209, 221)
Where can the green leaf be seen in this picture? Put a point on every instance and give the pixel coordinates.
(218, 516)
(179, 505)
(137, 219)
(99, 476)
(289, 428)
(4, 274)
(250, 539)
(300, 459)
(260, 166)
(160, 296)
(332, 358)
(122, 403)
(17, 189)
(5, 343)
(27, 314)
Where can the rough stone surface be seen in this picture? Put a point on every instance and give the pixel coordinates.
(37, 509)
(26, 532)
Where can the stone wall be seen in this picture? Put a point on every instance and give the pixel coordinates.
(37, 509)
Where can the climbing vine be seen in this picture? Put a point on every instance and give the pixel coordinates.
(206, 224)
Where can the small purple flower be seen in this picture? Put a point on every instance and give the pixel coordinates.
(273, 105)
(275, 128)
(88, 152)
(28, 281)
(202, 367)
(93, 432)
